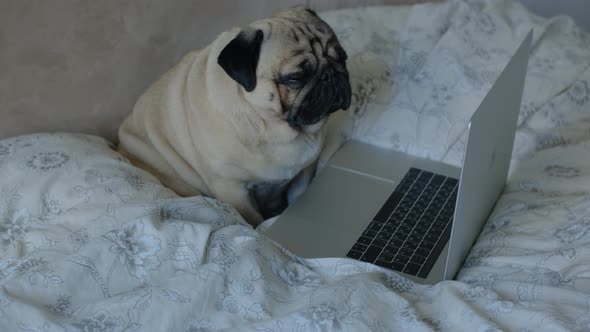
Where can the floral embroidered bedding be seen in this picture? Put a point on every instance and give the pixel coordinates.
(89, 242)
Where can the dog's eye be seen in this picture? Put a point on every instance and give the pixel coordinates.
(293, 80)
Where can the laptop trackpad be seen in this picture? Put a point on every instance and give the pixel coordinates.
(333, 212)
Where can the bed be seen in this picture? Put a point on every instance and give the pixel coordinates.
(89, 242)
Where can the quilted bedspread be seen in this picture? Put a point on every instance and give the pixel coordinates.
(88, 242)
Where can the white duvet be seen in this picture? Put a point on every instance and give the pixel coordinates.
(89, 242)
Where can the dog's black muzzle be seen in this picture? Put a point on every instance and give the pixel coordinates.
(331, 93)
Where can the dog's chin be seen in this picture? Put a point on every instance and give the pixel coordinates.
(308, 127)
(313, 128)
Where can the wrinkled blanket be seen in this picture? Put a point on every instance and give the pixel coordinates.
(89, 242)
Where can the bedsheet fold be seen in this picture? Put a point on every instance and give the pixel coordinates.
(89, 242)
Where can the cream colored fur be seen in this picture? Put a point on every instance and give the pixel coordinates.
(201, 133)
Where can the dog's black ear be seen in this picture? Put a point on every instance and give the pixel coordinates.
(240, 58)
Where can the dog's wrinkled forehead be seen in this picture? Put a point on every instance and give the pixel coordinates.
(294, 42)
(299, 39)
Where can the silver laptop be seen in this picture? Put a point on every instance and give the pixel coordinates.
(415, 216)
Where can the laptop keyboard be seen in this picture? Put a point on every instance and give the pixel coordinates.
(411, 229)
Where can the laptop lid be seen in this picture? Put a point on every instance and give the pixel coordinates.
(490, 140)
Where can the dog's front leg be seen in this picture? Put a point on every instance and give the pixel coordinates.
(298, 185)
(236, 194)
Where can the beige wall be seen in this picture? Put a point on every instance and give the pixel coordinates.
(79, 65)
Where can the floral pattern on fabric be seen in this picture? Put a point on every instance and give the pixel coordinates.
(90, 243)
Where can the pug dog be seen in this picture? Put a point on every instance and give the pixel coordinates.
(244, 120)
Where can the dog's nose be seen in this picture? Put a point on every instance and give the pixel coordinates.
(327, 74)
